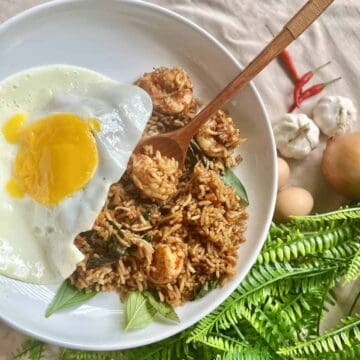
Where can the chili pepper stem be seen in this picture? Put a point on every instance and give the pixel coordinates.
(327, 83)
(320, 67)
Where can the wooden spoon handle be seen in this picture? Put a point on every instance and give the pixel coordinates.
(294, 28)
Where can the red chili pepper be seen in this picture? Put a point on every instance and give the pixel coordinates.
(292, 108)
(287, 61)
(312, 91)
(289, 65)
(316, 89)
(303, 80)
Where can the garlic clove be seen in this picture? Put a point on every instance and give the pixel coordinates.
(296, 135)
(334, 115)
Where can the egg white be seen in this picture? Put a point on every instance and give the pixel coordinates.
(36, 241)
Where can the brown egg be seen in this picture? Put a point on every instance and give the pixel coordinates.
(283, 173)
(292, 201)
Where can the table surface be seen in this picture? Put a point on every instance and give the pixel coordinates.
(335, 36)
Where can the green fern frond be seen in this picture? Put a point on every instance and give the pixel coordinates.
(353, 271)
(308, 285)
(342, 252)
(327, 297)
(254, 353)
(32, 349)
(254, 287)
(223, 343)
(67, 354)
(276, 233)
(307, 226)
(174, 347)
(262, 279)
(284, 315)
(297, 315)
(338, 339)
(299, 231)
(352, 353)
(344, 213)
(300, 245)
(263, 325)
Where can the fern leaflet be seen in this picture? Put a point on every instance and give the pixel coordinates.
(31, 348)
(66, 354)
(300, 245)
(223, 343)
(353, 271)
(338, 339)
(254, 353)
(174, 347)
(340, 214)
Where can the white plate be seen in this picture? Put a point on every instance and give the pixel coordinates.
(123, 39)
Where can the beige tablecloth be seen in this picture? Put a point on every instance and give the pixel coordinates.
(240, 26)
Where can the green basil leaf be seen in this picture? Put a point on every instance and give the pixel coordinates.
(197, 152)
(191, 156)
(116, 247)
(68, 296)
(146, 214)
(229, 178)
(139, 312)
(116, 227)
(95, 262)
(162, 308)
(148, 238)
(201, 291)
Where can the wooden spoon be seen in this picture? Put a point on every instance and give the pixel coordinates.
(175, 144)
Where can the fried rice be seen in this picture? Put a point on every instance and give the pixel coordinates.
(173, 244)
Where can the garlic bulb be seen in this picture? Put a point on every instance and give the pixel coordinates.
(296, 135)
(334, 115)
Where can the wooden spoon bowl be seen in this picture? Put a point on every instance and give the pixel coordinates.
(168, 144)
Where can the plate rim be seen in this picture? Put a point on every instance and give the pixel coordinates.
(220, 299)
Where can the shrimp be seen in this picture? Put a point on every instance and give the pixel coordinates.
(171, 90)
(155, 175)
(167, 264)
(218, 136)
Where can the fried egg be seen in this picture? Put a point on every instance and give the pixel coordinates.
(66, 135)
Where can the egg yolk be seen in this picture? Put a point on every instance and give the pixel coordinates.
(57, 156)
(94, 124)
(14, 188)
(11, 129)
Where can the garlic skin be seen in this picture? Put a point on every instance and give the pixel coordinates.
(296, 135)
(334, 115)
